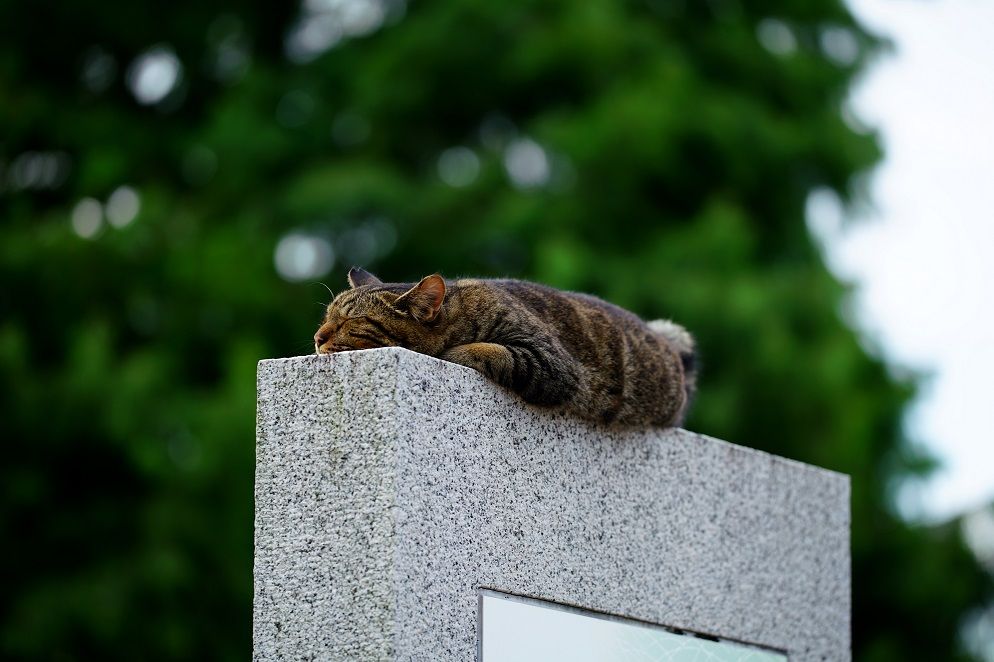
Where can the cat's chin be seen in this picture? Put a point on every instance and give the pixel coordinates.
(333, 349)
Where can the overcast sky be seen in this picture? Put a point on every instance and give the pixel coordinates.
(923, 258)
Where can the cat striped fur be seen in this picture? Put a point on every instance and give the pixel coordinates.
(554, 348)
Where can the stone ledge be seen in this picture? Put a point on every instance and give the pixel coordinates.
(391, 486)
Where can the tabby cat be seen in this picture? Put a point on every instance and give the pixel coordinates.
(554, 348)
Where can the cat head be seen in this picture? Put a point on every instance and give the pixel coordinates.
(376, 314)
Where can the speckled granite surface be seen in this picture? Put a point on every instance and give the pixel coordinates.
(391, 486)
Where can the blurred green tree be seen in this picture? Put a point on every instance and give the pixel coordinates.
(155, 157)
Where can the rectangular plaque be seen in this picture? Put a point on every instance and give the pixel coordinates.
(516, 629)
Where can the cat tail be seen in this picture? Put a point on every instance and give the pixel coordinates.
(681, 340)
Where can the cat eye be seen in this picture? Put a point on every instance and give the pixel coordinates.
(358, 335)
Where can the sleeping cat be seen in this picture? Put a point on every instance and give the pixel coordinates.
(553, 348)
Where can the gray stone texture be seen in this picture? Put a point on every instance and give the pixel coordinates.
(391, 486)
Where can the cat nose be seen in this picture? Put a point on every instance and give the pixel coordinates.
(320, 338)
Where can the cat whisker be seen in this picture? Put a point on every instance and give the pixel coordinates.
(299, 347)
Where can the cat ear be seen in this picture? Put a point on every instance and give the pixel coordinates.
(359, 277)
(424, 300)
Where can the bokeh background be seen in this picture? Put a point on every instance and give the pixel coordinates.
(177, 180)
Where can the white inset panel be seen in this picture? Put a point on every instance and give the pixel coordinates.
(523, 630)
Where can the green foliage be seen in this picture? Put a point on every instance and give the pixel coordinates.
(678, 154)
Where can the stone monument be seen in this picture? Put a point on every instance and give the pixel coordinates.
(394, 490)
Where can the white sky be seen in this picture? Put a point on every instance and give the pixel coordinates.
(923, 258)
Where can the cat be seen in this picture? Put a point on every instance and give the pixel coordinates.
(557, 349)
